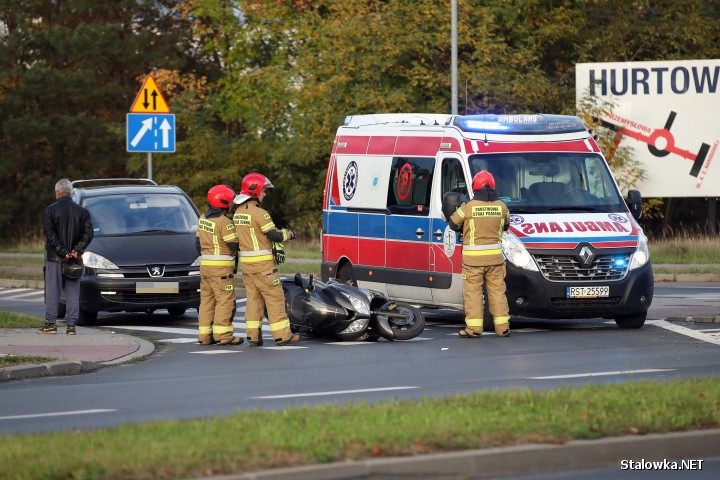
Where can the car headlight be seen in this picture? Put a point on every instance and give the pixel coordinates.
(357, 303)
(516, 253)
(196, 263)
(642, 253)
(93, 260)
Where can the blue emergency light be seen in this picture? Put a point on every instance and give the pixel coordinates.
(619, 262)
(520, 124)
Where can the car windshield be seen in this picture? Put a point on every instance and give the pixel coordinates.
(543, 182)
(137, 213)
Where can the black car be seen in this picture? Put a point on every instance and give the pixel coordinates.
(143, 255)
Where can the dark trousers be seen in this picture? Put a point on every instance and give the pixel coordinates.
(56, 283)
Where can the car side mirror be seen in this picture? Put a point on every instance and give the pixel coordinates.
(634, 203)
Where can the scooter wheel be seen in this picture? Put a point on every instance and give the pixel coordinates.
(393, 328)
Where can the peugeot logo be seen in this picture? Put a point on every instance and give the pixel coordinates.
(156, 270)
(586, 255)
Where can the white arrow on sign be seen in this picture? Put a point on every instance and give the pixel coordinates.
(165, 127)
(147, 125)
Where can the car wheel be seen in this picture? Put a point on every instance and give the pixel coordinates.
(86, 319)
(635, 320)
(176, 311)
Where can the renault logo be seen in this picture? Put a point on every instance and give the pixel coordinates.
(156, 270)
(586, 255)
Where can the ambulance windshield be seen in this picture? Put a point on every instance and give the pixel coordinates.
(545, 182)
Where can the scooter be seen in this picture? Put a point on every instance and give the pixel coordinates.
(344, 312)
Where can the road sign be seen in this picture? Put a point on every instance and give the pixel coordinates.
(149, 99)
(150, 132)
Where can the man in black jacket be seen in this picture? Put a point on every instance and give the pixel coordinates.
(68, 231)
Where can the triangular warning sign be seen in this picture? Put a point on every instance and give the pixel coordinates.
(149, 99)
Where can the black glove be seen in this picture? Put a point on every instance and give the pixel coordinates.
(291, 234)
(278, 252)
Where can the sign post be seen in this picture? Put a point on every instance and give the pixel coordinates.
(150, 125)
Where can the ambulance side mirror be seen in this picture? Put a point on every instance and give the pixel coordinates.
(450, 202)
(634, 203)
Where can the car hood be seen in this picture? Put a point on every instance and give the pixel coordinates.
(144, 249)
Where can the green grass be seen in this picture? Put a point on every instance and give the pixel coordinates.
(19, 320)
(686, 250)
(258, 440)
(14, 360)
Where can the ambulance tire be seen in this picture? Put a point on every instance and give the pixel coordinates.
(635, 320)
(345, 275)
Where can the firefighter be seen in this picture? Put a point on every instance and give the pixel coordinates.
(261, 251)
(217, 244)
(482, 221)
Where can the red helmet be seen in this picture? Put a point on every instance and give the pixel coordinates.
(252, 185)
(220, 196)
(483, 179)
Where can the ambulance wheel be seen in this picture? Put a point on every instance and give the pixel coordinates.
(635, 320)
(345, 275)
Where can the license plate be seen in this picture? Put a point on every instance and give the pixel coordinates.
(587, 292)
(157, 287)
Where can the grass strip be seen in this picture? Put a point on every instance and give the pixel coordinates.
(258, 440)
(14, 360)
(19, 320)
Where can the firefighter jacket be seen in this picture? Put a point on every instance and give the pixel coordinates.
(482, 223)
(67, 228)
(217, 239)
(256, 234)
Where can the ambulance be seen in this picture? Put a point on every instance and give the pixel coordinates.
(574, 248)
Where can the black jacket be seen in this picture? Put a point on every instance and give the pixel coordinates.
(67, 228)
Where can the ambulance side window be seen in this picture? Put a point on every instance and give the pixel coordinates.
(410, 185)
(453, 177)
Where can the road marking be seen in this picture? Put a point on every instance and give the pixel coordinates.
(337, 392)
(178, 340)
(698, 334)
(58, 414)
(603, 374)
(15, 290)
(22, 295)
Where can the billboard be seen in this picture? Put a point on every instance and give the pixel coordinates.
(669, 113)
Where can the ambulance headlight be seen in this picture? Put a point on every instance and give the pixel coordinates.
(642, 254)
(516, 253)
(93, 260)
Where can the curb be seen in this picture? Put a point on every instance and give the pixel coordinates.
(516, 460)
(697, 319)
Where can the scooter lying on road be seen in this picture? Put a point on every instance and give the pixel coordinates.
(344, 312)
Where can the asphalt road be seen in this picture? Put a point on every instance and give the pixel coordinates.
(184, 380)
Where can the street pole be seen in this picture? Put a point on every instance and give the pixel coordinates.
(150, 165)
(454, 53)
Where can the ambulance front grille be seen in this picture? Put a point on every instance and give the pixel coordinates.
(567, 268)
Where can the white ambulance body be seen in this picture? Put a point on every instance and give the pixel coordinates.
(573, 249)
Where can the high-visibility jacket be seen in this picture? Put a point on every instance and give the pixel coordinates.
(482, 224)
(215, 234)
(256, 234)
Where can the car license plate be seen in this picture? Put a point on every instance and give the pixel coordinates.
(157, 287)
(587, 292)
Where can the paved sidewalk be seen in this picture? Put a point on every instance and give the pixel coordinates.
(90, 349)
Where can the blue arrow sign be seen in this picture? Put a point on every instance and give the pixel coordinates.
(150, 132)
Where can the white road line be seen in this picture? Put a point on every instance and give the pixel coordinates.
(603, 374)
(338, 392)
(215, 352)
(698, 334)
(58, 414)
(178, 340)
(41, 296)
(14, 290)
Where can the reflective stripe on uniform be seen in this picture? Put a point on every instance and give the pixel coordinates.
(232, 236)
(253, 323)
(501, 320)
(222, 328)
(474, 322)
(256, 253)
(258, 256)
(460, 212)
(205, 330)
(267, 227)
(472, 232)
(217, 263)
(477, 253)
(280, 325)
(492, 246)
(216, 257)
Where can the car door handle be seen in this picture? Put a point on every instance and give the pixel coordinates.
(438, 233)
(419, 233)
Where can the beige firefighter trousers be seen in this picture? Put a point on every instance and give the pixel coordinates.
(473, 279)
(217, 305)
(263, 291)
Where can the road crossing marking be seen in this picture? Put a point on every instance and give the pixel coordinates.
(57, 414)
(698, 334)
(603, 374)
(40, 295)
(337, 392)
(215, 352)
